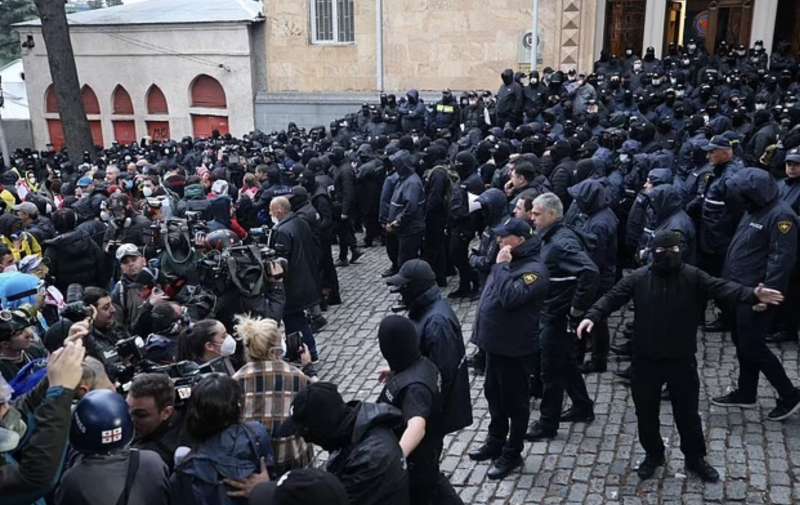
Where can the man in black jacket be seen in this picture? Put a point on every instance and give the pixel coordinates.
(294, 241)
(666, 297)
(573, 282)
(344, 203)
(412, 385)
(507, 330)
(367, 457)
(510, 100)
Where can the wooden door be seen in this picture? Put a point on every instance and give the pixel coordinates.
(158, 130)
(203, 126)
(56, 130)
(624, 25)
(125, 132)
(97, 133)
(729, 20)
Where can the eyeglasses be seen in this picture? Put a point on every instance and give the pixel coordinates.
(661, 250)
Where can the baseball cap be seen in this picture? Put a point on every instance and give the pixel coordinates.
(514, 226)
(717, 142)
(27, 207)
(793, 155)
(308, 486)
(126, 250)
(412, 270)
(84, 182)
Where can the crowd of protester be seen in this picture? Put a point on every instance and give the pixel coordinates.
(160, 300)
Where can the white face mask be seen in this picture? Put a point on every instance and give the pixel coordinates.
(761, 106)
(274, 219)
(147, 191)
(228, 346)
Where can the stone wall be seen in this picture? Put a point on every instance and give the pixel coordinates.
(428, 44)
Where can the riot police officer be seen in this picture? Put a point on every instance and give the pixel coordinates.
(507, 330)
(763, 250)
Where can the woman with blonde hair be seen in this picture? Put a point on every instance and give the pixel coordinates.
(269, 385)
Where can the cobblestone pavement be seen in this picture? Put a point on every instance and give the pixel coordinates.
(759, 460)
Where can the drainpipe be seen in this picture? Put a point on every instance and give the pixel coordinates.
(535, 35)
(379, 43)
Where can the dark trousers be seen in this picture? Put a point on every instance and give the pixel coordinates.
(600, 342)
(428, 485)
(681, 379)
(347, 238)
(788, 314)
(408, 247)
(506, 391)
(392, 247)
(712, 265)
(560, 373)
(459, 249)
(434, 249)
(329, 280)
(296, 321)
(749, 329)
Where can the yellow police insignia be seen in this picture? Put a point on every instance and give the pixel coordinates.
(529, 279)
(784, 226)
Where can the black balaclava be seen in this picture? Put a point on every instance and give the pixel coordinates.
(399, 342)
(323, 417)
(666, 262)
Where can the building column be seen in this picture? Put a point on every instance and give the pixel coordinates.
(600, 27)
(654, 26)
(763, 28)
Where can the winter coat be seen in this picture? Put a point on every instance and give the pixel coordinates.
(74, 258)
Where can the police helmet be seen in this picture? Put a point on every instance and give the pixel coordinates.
(101, 423)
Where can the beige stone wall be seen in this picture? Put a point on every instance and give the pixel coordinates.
(294, 64)
(428, 44)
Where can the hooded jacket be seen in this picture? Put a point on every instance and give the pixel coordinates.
(371, 466)
(764, 247)
(74, 258)
(412, 115)
(599, 221)
(507, 322)
(407, 205)
(509, 100)
(666, 203)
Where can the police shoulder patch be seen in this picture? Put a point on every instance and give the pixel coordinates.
(784, 226)
(529, 278)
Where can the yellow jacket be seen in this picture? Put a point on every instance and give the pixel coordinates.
(26, 246)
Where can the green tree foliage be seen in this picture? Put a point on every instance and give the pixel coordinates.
(12, 11)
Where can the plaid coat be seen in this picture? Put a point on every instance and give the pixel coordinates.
(269, 388)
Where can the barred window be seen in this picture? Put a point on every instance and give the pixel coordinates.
(332, 21)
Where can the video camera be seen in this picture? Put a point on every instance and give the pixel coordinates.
(185, 374)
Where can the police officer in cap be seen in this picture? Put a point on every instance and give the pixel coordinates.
(507, 330)
(413, 386)
(666, 295)
(788, 318)
(440, 337)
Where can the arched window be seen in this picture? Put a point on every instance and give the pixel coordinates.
(122, 101)
(51, 100)
(156, 101)
(90, 103)
(208, 92)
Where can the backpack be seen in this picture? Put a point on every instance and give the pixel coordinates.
(28, 377)
(245, 269)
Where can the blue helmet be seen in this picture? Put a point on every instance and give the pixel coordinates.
(101, 423)
(18, 289)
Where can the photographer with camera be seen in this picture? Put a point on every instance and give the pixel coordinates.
(269, 381)
(158, 423)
